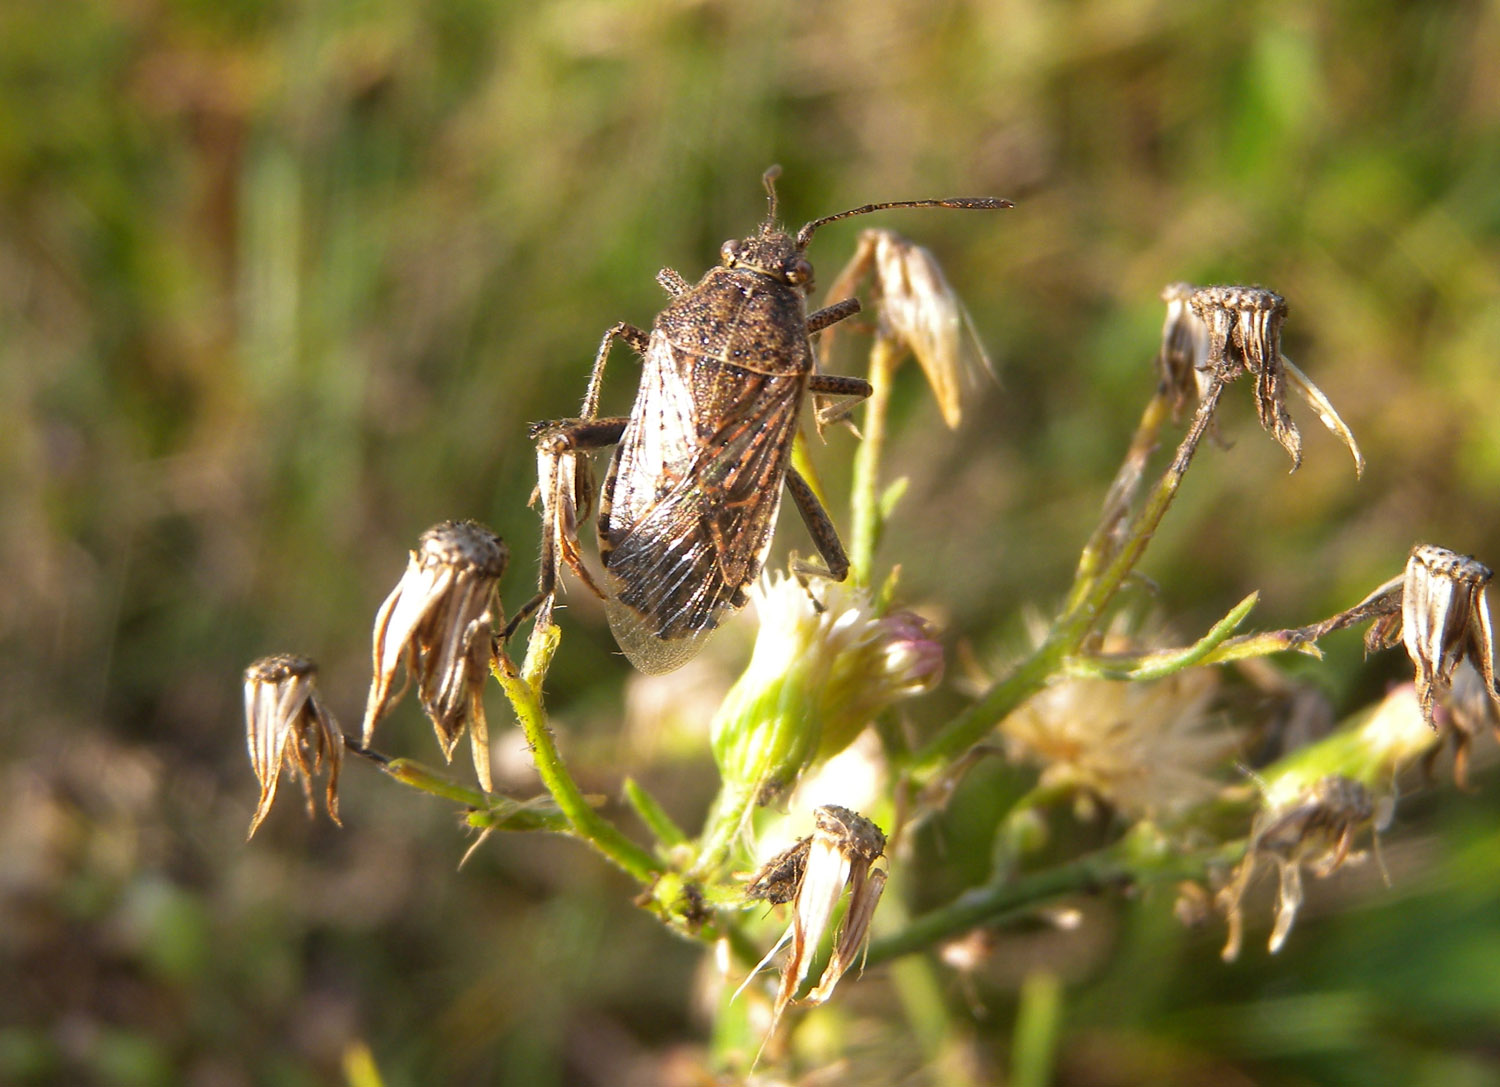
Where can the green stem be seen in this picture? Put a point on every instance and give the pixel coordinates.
(585, 821)
(865, 488)
(667, 832)
(1148, 666)
(1118, 498)
(1071, 628)
(726, 819)
(1119, 864)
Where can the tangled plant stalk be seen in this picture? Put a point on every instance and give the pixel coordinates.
(832, 661)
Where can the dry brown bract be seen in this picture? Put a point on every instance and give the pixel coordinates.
(1444, 619)
(1217, 334)
(1315, 829)
(813, 874)
(919, 311)
(286, 725)
(440, 623)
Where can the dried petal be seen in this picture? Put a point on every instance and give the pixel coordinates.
(439, 621)
(287, 725)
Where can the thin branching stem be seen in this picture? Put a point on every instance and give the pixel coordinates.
(1118, 865)
(1075, 624)
(585, 821)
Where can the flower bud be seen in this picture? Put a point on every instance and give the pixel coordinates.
(815, 679)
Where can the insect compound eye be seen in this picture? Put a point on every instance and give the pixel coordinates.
(729, 252)
(799, 272)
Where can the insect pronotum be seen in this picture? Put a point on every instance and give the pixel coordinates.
(695, 482)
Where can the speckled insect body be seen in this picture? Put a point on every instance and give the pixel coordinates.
(695, 484)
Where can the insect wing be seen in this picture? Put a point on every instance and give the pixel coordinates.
(677, 556)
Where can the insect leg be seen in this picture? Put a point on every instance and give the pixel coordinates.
(672, 282)
(830, 315)
(621, 331)
(825, 536)
(565, 489)
(857, 388)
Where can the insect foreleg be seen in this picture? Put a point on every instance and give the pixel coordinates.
(565, 489)
(672, 282)
(622, 331)
(831, 315)
(820, 527)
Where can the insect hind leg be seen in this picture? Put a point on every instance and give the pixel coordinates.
(820, 526)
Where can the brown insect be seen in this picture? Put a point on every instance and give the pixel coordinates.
(696, 479)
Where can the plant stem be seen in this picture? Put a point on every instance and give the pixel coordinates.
(1071, 628)
(992, 903)
(1121, 493)
(585, 821)
(865, 488)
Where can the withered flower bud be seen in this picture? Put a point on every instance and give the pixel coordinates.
(813, 875)
(1217, 334)
(286, 725)
(1315, 829)
(919, 311)
(1244, 330)
(1445, 619)
(440, 623)
(1183, 359)
(1471, 709)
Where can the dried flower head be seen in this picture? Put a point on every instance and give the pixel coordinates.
(919, 311)
(1218, 333)
(815, 680)
(1315, 828)
(1183, 358)
(1444, 619)
(286, 725)
(813, 874)
(1146, 749)
(1471, 709)
(439, 621)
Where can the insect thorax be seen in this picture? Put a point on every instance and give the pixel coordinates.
(742, 318)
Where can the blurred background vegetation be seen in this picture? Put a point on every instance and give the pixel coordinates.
(282, 283)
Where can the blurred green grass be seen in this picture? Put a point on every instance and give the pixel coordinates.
(281, 285)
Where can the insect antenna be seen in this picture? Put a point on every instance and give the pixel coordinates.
(983, 203)
(768, 179)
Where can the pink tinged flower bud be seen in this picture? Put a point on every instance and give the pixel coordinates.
(440, 622)
(815, 680)
(287, 726)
